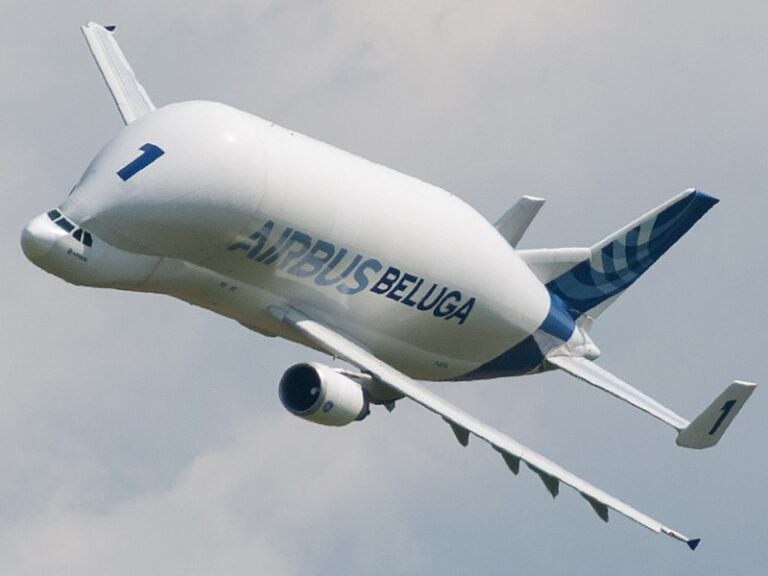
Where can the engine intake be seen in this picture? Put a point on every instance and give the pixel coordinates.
(319, 394)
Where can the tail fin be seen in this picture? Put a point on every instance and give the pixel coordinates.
(618, 260)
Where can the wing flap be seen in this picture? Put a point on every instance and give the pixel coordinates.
(129, 95)
(512, 451)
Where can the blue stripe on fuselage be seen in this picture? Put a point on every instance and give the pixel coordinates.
(526, 356)
(558, 322)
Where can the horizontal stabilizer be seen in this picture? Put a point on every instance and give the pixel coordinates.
(131, 98)
(515, 221)
(707, 429)
(548, 263)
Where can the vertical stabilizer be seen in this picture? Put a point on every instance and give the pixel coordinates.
(621, 258)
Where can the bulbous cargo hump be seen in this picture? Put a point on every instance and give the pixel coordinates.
(186, 177)
(190, 179)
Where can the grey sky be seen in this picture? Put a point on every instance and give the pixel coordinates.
(141, 435)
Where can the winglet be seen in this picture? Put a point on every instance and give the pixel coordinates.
(693, 543)
(707, 428)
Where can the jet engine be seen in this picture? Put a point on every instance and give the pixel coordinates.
(319, 394)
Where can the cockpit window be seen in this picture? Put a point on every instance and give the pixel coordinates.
(79, 234)
(65, 224)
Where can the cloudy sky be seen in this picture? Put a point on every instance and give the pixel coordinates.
(139, 435)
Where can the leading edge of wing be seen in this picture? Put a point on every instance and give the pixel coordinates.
(463, 424)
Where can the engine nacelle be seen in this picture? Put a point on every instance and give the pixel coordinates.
(319, 394)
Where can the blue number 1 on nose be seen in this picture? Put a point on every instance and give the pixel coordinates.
(149, 153)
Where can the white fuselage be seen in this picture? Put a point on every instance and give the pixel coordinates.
(239, 215)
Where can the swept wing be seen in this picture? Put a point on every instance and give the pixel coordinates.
(703, 432)
(464, 425)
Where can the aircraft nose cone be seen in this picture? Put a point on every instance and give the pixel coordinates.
(37, 239)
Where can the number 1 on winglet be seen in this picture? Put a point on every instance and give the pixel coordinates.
(727, 407)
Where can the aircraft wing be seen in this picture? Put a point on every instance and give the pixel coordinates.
(591, 373)
(131, 98)
(463, 424)
(703, 432)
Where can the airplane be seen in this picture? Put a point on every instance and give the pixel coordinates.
(294, 238)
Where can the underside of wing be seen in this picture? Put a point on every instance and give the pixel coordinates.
(464, 425)
(704, 431)
(131, 98)
(593, 374)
